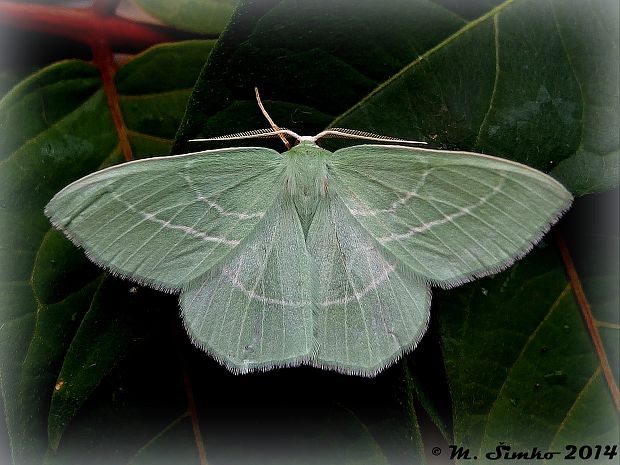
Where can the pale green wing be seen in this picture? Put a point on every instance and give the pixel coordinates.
(448, 216)
(164, 221)
(368, 312)
(254, 310)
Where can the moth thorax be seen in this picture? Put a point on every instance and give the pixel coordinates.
(307, 185)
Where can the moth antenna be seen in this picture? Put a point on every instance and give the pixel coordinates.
(354, 134)
(271, 122)
(251, 135)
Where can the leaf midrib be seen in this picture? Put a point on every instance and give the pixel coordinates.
(526, 345)
(419, 59)
(574, 405)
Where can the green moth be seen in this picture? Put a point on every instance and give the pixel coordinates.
(308, 256)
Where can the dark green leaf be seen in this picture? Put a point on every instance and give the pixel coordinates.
(202, 16)
(593, 237)
(520, 363)
(101, 341)
(56, 127)
(577, 426)
(14, 337)
(141, 394)
(332, 436)
(175, 443)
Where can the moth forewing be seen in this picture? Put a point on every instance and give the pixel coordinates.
(449, 216)
(163, 221)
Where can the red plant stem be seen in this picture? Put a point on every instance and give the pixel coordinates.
(588, 318)
(193, 413)
(81, 24)
(179, 339)
(104, 60)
